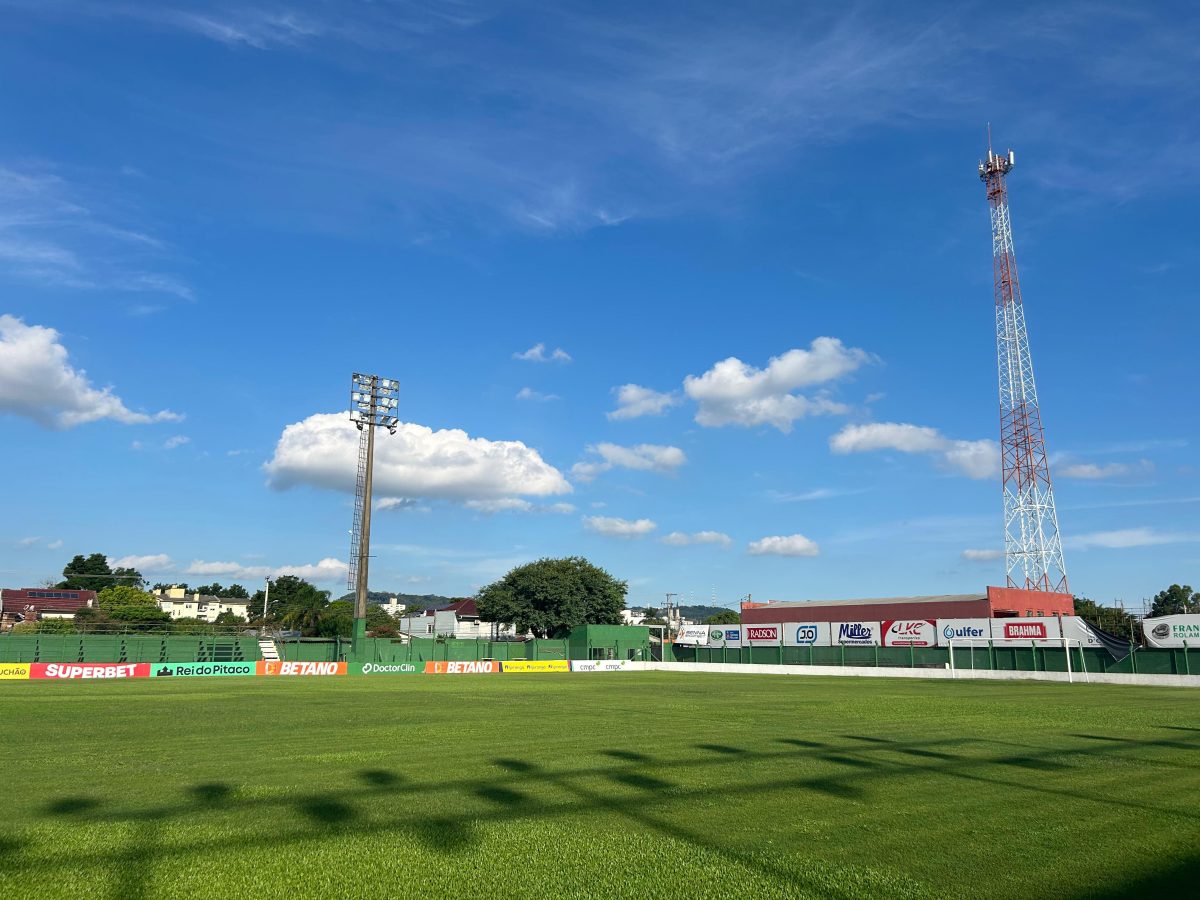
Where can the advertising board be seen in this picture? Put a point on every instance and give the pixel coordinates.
(1079, 633)
(1033, 631)
(297, 667)
(761, 635)
(806, 634)
(854, 634)
(908, 633)
(724, 636)
(89, 670)
(1172, 631)
(202, 669)
(10, 671)
(964, 632)
(692, 634)
(536, 665)
(598, 665)
(372, 668)
(463, 667)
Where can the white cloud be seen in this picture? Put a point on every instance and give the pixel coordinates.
(975, 459)
(1125, 538)
(500, 504)
(682, 539)
(982, 555)
(789, 545)
(634, 401)
(735, 393)
(1097, 472)
(157, 562)
(614, 527)
(528, 393)
(416, 462)
(561, 508)
(814, 494)
(38, 382)
(326, 570)
(28, 541)
(177, 440)
(537, 353)
(643, 457)
(55, 545)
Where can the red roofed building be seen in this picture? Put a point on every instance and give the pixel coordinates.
(31, 604)
(997, 603)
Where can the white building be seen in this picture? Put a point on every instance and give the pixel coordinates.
(179, 604)
(459, 619)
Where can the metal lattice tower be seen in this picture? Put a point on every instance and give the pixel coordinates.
(1033, 557)
(360, 496)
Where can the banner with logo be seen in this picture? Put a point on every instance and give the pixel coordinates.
(1172, 631)
(1079, 633)
(598, 665)
(964, 632)
(10, 671)
(536, 665)
(908, 633)
(855, 634)
(404, 668)
(692, 634)
(1039, 631)
(296, 667)
(202, 669)
(724, 636)
(806, 634)
(89, 670)
(463, 667)
(761, 635)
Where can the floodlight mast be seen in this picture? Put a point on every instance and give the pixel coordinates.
(373, 402)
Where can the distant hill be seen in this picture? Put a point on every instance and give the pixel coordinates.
(700, 613)
(425, 601)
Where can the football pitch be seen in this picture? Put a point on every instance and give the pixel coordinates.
(597, 785)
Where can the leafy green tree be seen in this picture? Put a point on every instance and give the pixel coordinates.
(52, 626)
(92, 573)
(1175, 600)
(190, 625)
(235, 592)
(1109, 618)
(652, 612)
(216, 589)
(551, 596)
(728, 617)
(654, 620)
(140, 618)
(163, 586)
(229, 617)
(122, 595)
(304, 610)
(286, 591)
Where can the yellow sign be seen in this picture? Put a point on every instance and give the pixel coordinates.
(537, 665)
(13, 670)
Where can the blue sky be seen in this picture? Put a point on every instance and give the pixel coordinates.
(702, 293)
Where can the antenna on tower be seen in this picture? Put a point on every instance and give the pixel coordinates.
(1033, 557)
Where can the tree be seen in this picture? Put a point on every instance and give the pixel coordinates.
(304, 608)
(728, 617)
(1175, 600)
(93, 574)
(651, 612)
(1109, 618)
(551, 596)
(654, 620)
(229, 617)
(234, 591)
(117, 596)
(286, 591)
(163, 586)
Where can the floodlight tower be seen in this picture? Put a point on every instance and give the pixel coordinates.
(1033, 557)
(373, 402)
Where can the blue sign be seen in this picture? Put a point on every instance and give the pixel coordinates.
(966, 631)
(806, 634)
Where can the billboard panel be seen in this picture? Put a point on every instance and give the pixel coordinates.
(968, 632)
(1079, 633)
(199, 669)
(371, 668)
(298, 667)
(13, 671)
(761, 635)
(1172, 631)
(692, 634)
(89, 670)
(908, 633)
(854, 634)
(536, 665)
(806, 634)
(462, 667)
(1033, 631)
(724, 636)
(598, 665)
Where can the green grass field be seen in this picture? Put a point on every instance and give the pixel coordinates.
(630, 784)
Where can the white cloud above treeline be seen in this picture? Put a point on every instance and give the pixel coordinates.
(537, 354)
(643, 457)
(38, 382)
(784, 545)
(975, 459)
(610, 526)
(634, 401)
(416, 462)
(683, 539)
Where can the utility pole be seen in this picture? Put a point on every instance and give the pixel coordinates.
(1033, 557)
(373, 402)
(266, 599)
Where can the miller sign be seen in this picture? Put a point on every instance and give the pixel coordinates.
(857, 634)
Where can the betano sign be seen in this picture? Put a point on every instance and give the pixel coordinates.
(462, 667)
(297, 667)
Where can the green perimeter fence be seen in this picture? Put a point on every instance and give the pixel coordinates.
(91, 648)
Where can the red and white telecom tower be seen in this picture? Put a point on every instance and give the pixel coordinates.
(1033, 557)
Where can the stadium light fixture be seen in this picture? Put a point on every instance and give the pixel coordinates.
(372, 404)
